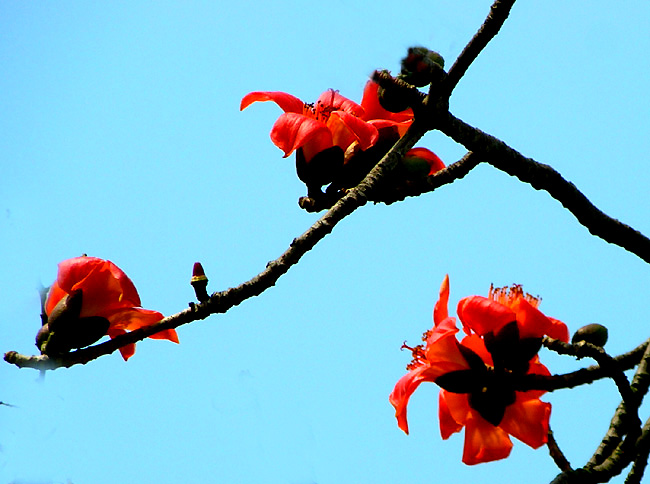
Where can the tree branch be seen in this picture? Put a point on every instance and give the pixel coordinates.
(543, 177)
(220, 302)
(498, 14)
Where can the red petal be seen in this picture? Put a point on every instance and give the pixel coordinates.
(54, 295)
(333, 99)
(442, 351)
(374, 110)
(133, 318)
(448, 424)
(169, 334)
(404, 388)
(484, 442)
(558, 330)
(535, 368)
(440, 309)
(429, 156)
(527, 420)
(291, 131)
(347, 128)
(288, 103)
(128, 350)
(475, 343)
(105, 286)
(483, 315)
(457, 406)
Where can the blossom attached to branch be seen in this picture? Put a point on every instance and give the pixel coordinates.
(90, 298)
(503, 335)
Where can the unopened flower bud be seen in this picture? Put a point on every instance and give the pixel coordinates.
(199, 282)
(392, 100)
(596, 334)
(419, 64)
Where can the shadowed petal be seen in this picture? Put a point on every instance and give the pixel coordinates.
(435, 163)
(375, 111)
(484, 442)
(527, 420)
(483, 315)
(403, 390)
(347, 128)
(292, 131)
(448, 423)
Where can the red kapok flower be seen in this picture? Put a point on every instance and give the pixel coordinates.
(476, 374)
(333, 120)
(103, 290)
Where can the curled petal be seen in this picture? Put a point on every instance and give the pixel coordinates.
(347, 128)
(288, 103)
(429, 156)
(482, 315)
(133, 318)
(403, 390)
(558, 330)
(292, 131)
(440, 309)
(484, 442)
(448, 423)
(527, 420)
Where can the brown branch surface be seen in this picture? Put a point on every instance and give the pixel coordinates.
(498, 14)
(543, 177)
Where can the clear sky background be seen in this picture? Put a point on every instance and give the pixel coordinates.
(121, 137)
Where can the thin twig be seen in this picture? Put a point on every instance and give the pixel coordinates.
(220, 302)
(556, 454)
(641, 460)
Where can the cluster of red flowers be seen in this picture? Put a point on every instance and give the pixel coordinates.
(333, 138)
(503, 333)
(338, 141)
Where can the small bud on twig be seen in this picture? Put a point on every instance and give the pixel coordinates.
(596, 334)
(199, 282)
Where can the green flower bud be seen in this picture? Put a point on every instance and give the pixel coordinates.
(595, 334)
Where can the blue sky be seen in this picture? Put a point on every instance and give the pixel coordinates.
(122, 138)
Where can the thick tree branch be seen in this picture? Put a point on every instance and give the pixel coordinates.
(498, 14)
(543, 177)
(584, 376)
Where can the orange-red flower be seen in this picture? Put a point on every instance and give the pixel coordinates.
(333, 120)
(338, 141)
(503, 336)
(88, 289)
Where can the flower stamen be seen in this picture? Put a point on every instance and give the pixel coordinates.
(507, 295)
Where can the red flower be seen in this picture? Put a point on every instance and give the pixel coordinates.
(333, 121)
(102, 290)
(375, 114)
(417, 157)
(504, 333)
